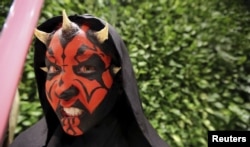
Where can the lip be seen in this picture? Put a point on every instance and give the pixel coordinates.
(71, 112)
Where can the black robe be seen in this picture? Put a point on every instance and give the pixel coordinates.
(125, 126)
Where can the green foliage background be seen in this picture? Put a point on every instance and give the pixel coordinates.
(191, 58)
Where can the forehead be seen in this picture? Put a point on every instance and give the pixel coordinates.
(77, 43)
(74, 49)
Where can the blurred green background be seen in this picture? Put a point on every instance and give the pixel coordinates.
(191, 58)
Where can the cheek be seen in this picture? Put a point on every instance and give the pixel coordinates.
(93, 93)
(96, 99)
(107, 79)
(50, 88)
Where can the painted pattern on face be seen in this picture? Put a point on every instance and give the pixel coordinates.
(78, 79)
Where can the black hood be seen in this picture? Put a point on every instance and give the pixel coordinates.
(131, 105)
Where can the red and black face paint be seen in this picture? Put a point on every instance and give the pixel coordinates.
(79, 76)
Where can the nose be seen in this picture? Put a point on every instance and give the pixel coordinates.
(69, 93)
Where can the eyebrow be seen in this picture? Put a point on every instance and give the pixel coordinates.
(82, 49)
(81, 52)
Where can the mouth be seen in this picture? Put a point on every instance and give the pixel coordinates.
(71, 112)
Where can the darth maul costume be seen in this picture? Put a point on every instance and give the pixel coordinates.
(87, 88)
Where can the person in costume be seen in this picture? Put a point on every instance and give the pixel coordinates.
(87, 88)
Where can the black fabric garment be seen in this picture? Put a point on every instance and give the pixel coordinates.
(127, 125)
(107, 134)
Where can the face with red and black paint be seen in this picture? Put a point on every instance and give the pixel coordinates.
(79, 78)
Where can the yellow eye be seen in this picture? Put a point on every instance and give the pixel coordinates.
(53, 69)
(87, 69)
